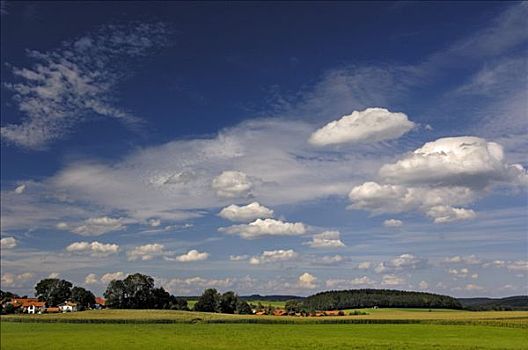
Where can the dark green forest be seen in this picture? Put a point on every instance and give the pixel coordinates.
(362, 298)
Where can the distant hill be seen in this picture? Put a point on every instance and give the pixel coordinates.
(361, 298)
(519, 302)
(251, 297)
(270, 297)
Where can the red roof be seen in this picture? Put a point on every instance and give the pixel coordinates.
(100, 300)
(26, 302)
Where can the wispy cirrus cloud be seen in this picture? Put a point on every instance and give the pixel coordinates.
(76, 82)
(94, 226)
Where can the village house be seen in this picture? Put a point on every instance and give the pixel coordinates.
(29, 305)
(68, 306)
(280, 312)
(334, 313)
(100, 303)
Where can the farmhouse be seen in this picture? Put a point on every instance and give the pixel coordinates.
(29, 305)
(100, 303)
(68, 306)
(280, 312)
(334, 313)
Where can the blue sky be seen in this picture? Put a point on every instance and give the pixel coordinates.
(266, 148)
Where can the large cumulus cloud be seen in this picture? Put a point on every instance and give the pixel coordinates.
(454, 161)
(438, 178)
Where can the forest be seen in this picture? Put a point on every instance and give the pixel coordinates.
(363, 298)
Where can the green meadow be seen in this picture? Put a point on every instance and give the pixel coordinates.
(22, 336)
(162, 329)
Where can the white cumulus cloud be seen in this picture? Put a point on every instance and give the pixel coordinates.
(8, 243)
(110, 276)
(370, 125)
(307, 281)
(392, 223)
(469, 260)
(94, 248)
(15, 280)
(192, 255)
(146, 252)
(518, 265)
(364, 265)
(326, 239)
(91, 278)
(455, 161)
(20, 189)
(245, 213)
(344, 283)
(272, 256)
(438, 178)
(403, 262)
(265, 227)
(392, 280)
(444, 213)
(232, 184)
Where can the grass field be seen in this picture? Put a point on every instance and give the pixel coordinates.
(257, 336)
(390, 329)
(516, 319)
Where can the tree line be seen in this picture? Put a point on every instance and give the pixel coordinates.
(366, 298)
(138, 291)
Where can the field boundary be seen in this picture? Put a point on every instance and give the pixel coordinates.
(503, 322)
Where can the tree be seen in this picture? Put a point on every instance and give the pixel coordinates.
(260, 307)
(178, 303)
(243, 308)
(160, 299)
(293, 306)
(139, 289)
(9, 309)
(134, 292)
(228, 302)
(116, 295)
(209, 301)
(6, 296)
(53, 291)
(83, 297)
